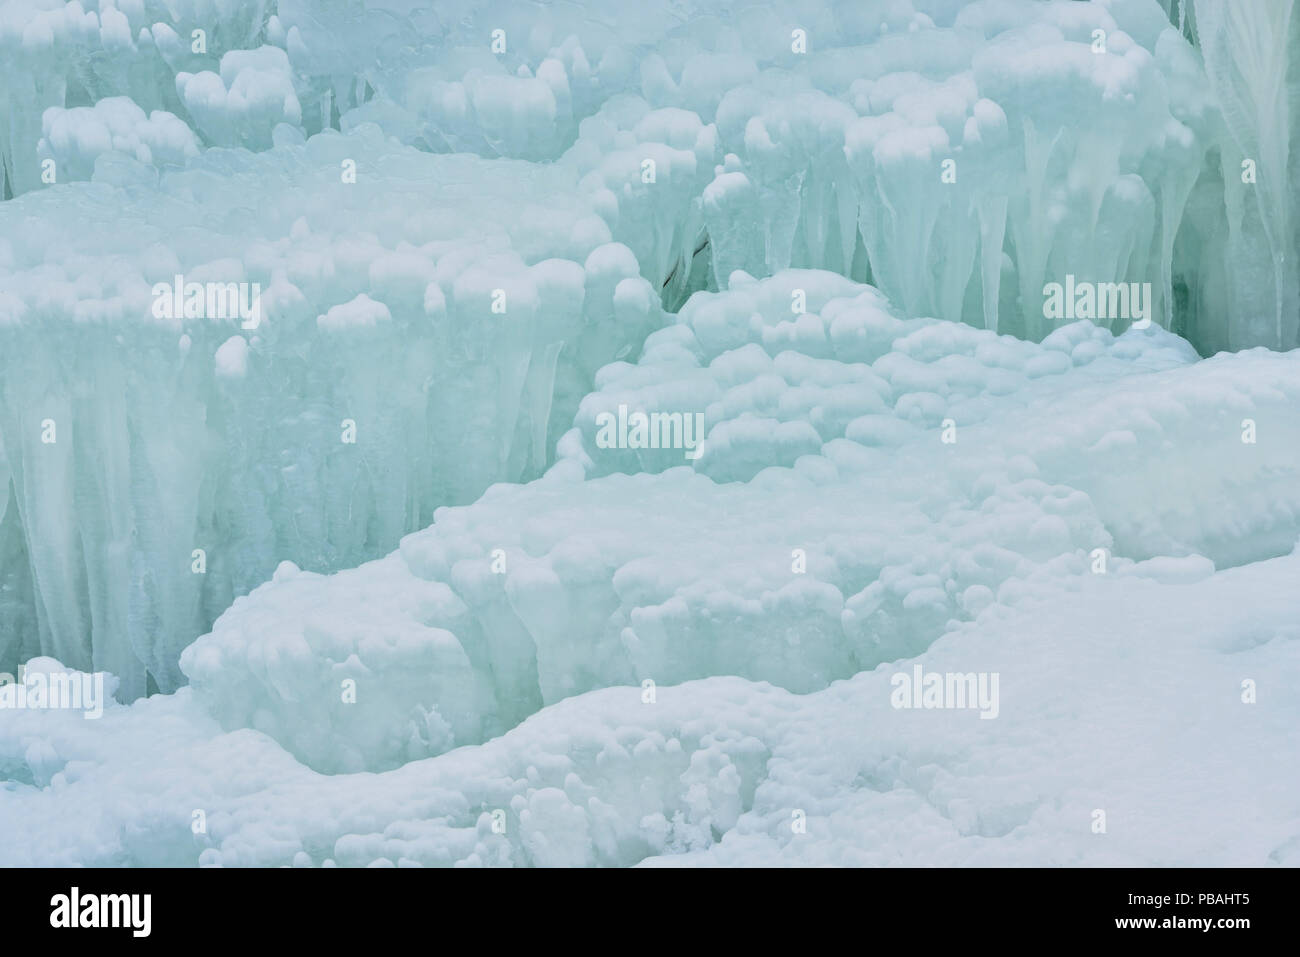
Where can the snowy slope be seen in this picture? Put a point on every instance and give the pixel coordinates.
(1118, 693)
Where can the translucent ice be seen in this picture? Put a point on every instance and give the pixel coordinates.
(957, 155)
(318, 430)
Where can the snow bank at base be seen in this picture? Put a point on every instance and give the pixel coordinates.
(1117, 693)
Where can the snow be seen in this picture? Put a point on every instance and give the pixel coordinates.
(245, 101)
(231, 359)
(75, 138)
(1102, 708)
(360, 313)
(536, 434)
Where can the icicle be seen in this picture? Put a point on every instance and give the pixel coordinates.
(1246, 59)
(992, 210)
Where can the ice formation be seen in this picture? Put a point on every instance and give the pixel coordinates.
(514, 433)
(593, 577)
(377, 323)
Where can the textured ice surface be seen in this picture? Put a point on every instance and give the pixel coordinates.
(957, 156)
(376, 308)
(571, 583)
(625, 398)
(1094, 138)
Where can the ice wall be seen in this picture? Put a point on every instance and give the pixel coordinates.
(614, 591)
(418, 336)
(961, 157)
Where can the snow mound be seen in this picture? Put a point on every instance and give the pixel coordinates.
(801, 547)
(74, 139)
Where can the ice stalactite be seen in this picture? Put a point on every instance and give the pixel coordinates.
(795, 165)
(645, 171)
(1247, 49)
(992, 212)
(1058, 145)
(1031, 228)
